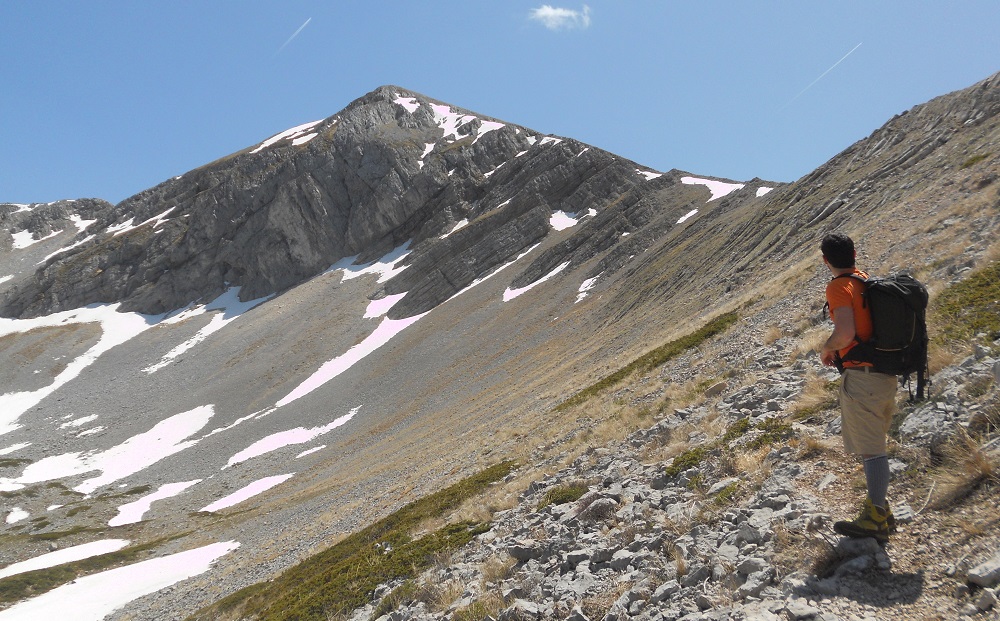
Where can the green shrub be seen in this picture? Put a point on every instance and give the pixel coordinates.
(969, 307)
(736, 430)
(344, 577)
(727, 494)
(688, 459)
(562, 494)
(773, 430)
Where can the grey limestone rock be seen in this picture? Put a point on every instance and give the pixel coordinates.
(986, 574)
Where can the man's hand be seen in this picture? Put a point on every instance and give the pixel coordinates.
(842, 336)
(828, 357)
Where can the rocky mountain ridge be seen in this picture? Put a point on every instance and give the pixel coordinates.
(467, 192)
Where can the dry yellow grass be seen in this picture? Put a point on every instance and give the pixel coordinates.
(966, 466)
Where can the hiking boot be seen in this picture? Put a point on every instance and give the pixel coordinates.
(872, 522)
(890, 520)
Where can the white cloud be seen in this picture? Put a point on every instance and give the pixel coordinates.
(556, 18)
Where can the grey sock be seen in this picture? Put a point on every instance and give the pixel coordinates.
(877, 478)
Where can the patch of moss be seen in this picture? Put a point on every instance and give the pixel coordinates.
(975, 159)
(13, 462)
(345, 576)
(59, 534)
(77, 509)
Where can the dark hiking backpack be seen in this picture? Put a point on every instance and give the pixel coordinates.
(898, 304)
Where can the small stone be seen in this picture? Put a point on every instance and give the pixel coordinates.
(904, 514)
(986, 574)
(664, 591)
(799, 609)
(826, 481)
(854, 566)
(986, 600)
(751, 565)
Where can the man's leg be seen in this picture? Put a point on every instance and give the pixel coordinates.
(877, 478)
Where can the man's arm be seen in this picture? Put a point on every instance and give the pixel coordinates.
(843, 334)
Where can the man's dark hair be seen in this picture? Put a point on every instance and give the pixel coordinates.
(838, 250)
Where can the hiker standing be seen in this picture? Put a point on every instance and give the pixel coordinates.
(867, 398)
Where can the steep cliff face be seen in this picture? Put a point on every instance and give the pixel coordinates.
(393, 168)
(22, 225)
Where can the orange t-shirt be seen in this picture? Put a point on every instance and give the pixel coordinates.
(847, 291)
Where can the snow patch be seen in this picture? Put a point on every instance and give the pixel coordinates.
(384, 267)
(23, 239)
(245, 493)
(687, 216)
(387, 329)
(410, 104)
(450, 121)
(289, 134)
(509, 294)
(133, 455)
(560, 220)
(310, 451)
(157, 221)
(81, 224)
(67, 248)
(378, 308)
(717, 188)
(230, 309)
(93, 597)
(132, 512)
(586, 286)
(14, 448)
(282, 439)
(79, 422)
(16, 515)
(761, 191)
(303, 139)
(486, 127)
(117, 328)
(68, 555)
(649, 175)
(458, 226)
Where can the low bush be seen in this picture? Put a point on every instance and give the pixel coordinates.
(344, 577)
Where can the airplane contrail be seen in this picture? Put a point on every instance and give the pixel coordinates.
(294, 34)
(821, 76)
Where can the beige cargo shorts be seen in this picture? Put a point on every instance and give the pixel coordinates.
(867, 403)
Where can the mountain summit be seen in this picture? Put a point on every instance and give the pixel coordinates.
(467, 193)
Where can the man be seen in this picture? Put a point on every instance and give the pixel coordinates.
(867, 399)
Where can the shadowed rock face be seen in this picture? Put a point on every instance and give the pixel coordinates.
(392, 167)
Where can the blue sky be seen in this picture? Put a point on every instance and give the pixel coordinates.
(105, 99)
